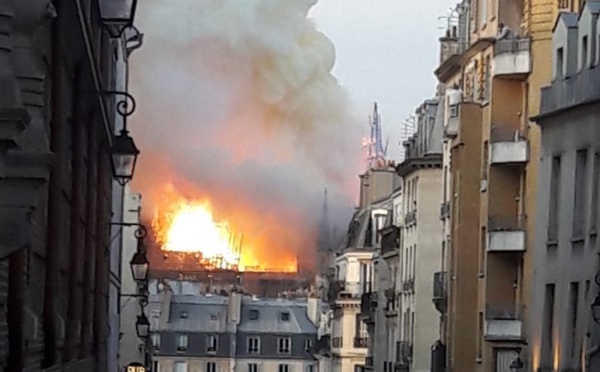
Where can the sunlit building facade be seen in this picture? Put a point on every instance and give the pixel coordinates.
(564, 336)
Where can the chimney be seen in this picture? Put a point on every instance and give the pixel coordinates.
(312, 309)
(165, 305)
(448, 44)
(234, 309)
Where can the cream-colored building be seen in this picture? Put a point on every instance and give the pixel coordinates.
(421, 235)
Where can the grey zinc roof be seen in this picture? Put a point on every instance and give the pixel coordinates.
(269, 318)
(208, 314)
(204, 314)
(569, 19)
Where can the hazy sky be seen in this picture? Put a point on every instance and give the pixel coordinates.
(386, 52)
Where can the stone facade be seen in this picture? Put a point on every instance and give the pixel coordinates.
(564, 336)
(55, 186)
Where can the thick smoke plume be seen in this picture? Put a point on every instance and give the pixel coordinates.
(237, 104)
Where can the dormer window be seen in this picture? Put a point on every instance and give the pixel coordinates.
(184, 315)
(285, 316)
(560, 61)
(453, 111)
(584, 52)
(211, 343)
(214, 317)
(182, 342)
(156, 341)
(253, 314)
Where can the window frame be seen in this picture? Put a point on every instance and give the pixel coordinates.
(283, 341)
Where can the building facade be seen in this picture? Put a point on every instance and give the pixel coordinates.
(57, 293)
(564, 336)
(192, 332)
(132, 349)
(420, 252)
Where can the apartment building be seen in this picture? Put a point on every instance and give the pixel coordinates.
(496, 60)
(59, 269)
(420, 253)
(191, 332)
(379, 307)
(563, 336)
(355, 271)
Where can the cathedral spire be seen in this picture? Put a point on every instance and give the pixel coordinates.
(324, 237)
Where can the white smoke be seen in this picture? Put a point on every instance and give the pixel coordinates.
(238, 97)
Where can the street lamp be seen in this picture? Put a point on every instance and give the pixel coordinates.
(139, 267)
(123, 150)
(124, 155)
(142, 326)
(117, 15)
(517, 365)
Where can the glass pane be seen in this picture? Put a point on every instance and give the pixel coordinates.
(116, 9)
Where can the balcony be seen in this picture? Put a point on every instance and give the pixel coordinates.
(502, 323)
(408, 286)
(368, 304)
(509, 146)
(512, 58)
(410, 218)
(404, 353)
(440, 291)
(361, 342)
(505, 234)
(444, 211)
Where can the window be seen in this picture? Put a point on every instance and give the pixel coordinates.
(253, 314)
(284, 345)
(548, 327)
(253, 345)
(156, 340)
(595, 199)
(483, 11)
(480, 335)
(284, 368)
(155, 366)
(211, 343)
(285, 317)
(584, 52)
(182, 342)
(252, 367)
(579, 197)
(574, 309)
(484, 160)
(308, 345)
(211, 367)
(181, 367)
(310, 368)
(560, 63)
(488, 79)
(554, 203)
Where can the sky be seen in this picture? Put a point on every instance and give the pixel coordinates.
(386, 52)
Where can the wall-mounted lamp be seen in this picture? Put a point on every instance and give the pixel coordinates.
(123, 152)
(117, 15)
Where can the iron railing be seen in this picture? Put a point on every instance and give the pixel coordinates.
(506, 133)
(515, 45)
(444, 210)
(361, 342)
(506, 223)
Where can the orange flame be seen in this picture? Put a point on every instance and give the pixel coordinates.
(189, 226)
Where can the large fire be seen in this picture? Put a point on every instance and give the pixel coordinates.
(188, 226)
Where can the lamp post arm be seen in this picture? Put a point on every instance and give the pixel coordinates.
(126, 106)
